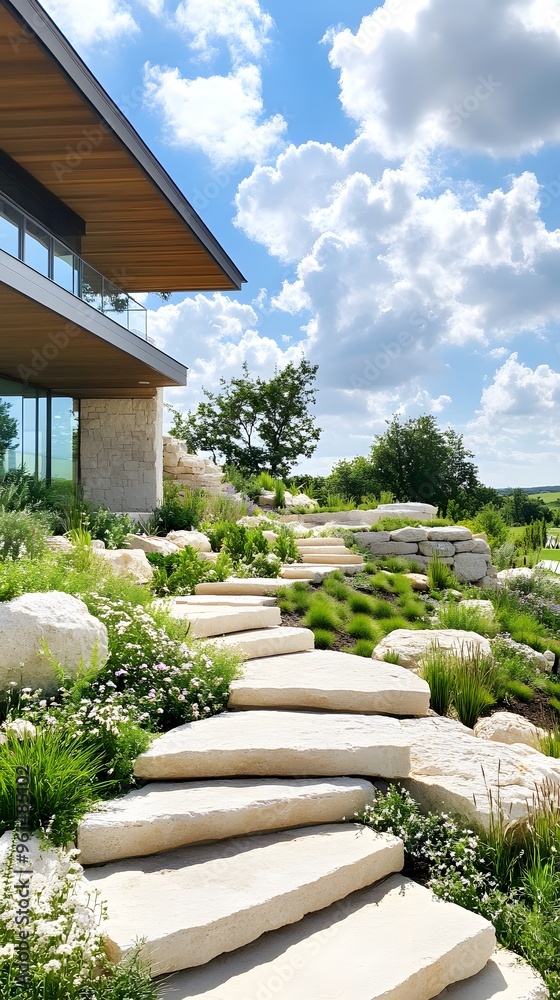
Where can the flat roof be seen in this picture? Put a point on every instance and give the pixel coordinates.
(60, 125)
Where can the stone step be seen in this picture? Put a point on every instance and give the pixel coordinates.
(196, 903)
(330, 550)
(393, 941)
(270, 641)
(226, 601)
(282, 744)
(305, 542)
(317, 573)
(165, 815)
(253, 586)
(336, 559)
(330, 681)
(506, 977)
(208, 622)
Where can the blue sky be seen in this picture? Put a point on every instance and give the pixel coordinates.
(387, 177)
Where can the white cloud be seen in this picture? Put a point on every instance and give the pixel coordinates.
(86, 24)
(474, 74)
(388, 272)
(155, 7)
(222, 116)
(516, 429)
(242, 24)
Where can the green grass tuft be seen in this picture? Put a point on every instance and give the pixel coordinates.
(324, 639)
(392, 657)
(364, 647)
(362, 627)
(361, 604)
(438, 672)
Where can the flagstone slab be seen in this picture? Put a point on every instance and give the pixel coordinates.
(270, 641)
(206, 623)
(303, 744)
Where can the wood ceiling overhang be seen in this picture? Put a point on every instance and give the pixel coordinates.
(58, 123)
(53, 340)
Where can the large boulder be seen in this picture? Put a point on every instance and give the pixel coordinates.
(129, 562)
(485, 609)
(194, 539)
(409, 535)
(451, 534)
(149, 543)
(412, 645)
(452, 771)
(58, 543)
(470, 566)
(54, 620)
(437, 548)
(506, 727)
(520, 573)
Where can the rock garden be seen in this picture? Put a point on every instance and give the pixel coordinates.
(240, 750)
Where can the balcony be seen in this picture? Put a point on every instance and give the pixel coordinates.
(31, 243)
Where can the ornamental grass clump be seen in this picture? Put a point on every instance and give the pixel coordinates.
(437, 671)
(440, 576)
(465, 619)
(62, 955)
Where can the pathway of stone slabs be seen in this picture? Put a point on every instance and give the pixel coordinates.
(237, 862)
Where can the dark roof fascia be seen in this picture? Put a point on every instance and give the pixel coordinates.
(37, 23)
(36, 200)
(75, 311)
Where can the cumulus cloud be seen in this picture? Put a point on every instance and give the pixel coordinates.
(517, 423)
(476, 76)
(221, 116)
(87, 24)
(242, 24)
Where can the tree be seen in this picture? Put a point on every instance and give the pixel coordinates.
(258, 425)
(417, 461)
(354, 480)
(8, 431)
(521, 508)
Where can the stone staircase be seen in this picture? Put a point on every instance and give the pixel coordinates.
(238, 865)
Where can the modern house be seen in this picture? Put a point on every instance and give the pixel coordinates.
(88, 218)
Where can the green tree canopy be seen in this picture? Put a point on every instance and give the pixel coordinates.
(417, 461)
(8, 431)
(256, 424)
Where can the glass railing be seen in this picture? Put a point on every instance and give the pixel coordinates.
(30, 242)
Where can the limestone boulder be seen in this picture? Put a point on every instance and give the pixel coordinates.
(58, 621)
(379, 548)
(419, 582)
(302, 500)
(128, 562)
(58, 543)
(451, 534)
(455, 772)
(470, 566)
(409, 535)
(195, 539)
(506, 727)
(416, 511)
(149, 543)
(520, 573)
(485, 608)
(437, 548)
(412, 645)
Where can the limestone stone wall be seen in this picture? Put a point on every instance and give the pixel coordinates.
(469, 557)
(192, 471)
(121, 453)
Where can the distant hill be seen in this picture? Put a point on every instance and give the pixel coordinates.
(530, 489)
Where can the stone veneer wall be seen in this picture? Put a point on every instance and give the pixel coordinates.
(121, 452)
(192, 471)
(469, 557)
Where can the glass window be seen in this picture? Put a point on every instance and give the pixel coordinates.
(92, 287)
(11, 423)
(64, 438)
(36, 247)
(10, 227)
(42, 430)
(65, 267)
(115, 302)
(29, 434)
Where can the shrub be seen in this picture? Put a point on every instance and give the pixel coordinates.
(182, 510)
(490, 521)
(437, 671)
(364, 647)
(112, 529)
(180, 572)
(362, 627)
(285, 546)
(264, 565)
(505, 556)
(21, 532)
(264, 481)
(324, 639)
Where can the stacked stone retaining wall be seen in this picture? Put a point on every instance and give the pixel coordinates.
(468, 556)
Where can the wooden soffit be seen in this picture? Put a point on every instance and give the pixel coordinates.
(58, 123)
